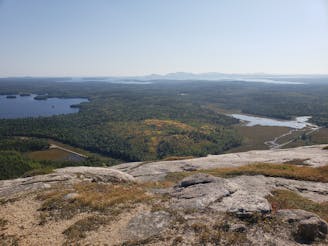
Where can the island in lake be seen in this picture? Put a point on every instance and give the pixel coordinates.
(14, 106)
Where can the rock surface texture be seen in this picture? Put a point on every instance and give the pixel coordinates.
(133, 204)
(313, 155)
(68, 175)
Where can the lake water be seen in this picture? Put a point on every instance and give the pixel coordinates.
(298, 123)
(27, 106)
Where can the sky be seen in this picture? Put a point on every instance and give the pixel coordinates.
(138, 37)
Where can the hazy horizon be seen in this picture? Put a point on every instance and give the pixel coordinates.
(82, 38)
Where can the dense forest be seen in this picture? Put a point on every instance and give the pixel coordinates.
(133, 122)
(14, 162)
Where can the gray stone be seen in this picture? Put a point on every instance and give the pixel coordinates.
(308, 227)
(311, 229)
(97, 174)
(199, 191)
(147, 224)
(245, 206)
(71, 196)
(64, 176)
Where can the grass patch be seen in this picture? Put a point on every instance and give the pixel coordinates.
(318, 174)
(107, 198)
(217, 234)
(288, 171)
(101, 196)
(78, 230)
(9, 240)
(285, 199)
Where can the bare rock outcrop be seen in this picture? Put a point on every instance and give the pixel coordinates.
(199, 191)
(203, 191)
(63, 176)
(97, 174)
(199, 210)
(152, 171)
(242, 196)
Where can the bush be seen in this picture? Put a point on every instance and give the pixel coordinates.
(13, 165)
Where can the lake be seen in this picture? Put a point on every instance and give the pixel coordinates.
(298, 123)
(27, 106)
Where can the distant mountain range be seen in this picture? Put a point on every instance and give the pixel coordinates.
(213, 76)
(184, 76)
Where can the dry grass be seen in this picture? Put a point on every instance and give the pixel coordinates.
(11, 240)
(4, 238)
(106, 198)
(217, 234)
(102, 196)
(288, 171)
(78, 230)
(3, 223)
(318, 174)
(284, 199)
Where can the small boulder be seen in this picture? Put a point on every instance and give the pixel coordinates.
(71, 196)
(308, 227)
(245, 206)
(311, 229)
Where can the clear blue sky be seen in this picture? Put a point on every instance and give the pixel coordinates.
(135, 37)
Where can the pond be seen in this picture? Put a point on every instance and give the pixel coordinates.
(298, 123)
(24, 105)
